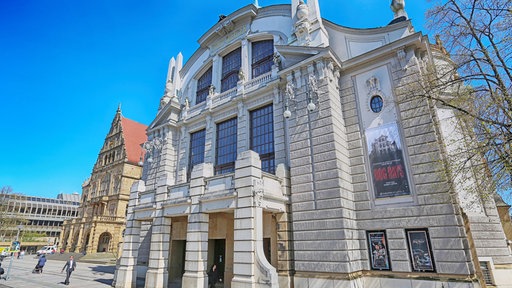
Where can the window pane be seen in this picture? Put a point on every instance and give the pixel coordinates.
(262, 54)
(262, 136)
(197, 140)
(230, 66)
(203, 85)
(226, 146)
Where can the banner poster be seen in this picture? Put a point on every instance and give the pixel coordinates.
(387, 163)
(419, 250)
(379, 256)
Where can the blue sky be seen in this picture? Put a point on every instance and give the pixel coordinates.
(66, 65)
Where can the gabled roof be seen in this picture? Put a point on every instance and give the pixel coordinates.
(134, 135)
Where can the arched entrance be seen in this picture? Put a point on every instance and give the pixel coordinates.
(86, 242)
(74, 243)
(104, 242)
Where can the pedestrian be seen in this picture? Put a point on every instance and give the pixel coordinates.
(70, 267)
(213, 276)
(40, 264)
(1, 271)
(22, 253)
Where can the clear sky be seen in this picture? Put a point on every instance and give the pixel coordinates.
(66, 65)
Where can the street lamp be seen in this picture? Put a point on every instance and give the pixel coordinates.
(17, 246)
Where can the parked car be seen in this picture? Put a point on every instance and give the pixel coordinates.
(46, 250)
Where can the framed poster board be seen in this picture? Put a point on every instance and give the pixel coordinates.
(420, 250)
(378, 248)
(386, 159)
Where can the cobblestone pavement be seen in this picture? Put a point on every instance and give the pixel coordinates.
(86, 275)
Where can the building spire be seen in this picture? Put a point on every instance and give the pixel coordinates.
(119, 108)
(256, 4)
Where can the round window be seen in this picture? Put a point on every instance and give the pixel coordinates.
(376, 103)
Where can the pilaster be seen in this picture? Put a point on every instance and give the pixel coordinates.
(126, 274)
(250, 264)
(157, 275)
(196, 255)
(197, 251)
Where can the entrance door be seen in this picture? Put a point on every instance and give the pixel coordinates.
(176, 262)
(219, 257)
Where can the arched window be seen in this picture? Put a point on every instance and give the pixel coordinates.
(203, 85)
(230, 66)
(262, 57)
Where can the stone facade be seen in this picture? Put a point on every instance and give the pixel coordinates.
(101, 222)
(351, 192)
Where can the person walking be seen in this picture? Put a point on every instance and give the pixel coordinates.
(213, 276)
(70, 267)
(40, 264)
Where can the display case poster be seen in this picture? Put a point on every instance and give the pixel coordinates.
(379, 256)
(419, 250)
(387, 165)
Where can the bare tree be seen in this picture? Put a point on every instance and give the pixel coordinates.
(471, 75)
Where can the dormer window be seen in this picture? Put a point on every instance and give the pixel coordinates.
(203, 85)
(262, 54)
(231, 64)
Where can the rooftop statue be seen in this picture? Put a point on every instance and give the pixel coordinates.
(398, 7)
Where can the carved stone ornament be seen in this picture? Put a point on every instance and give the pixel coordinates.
(258, 191)
(313, 84)
(402, 58)
(302, 11)
(225, 27)
(241, 75)
(277, 60)
(373, 85)
(398, 8)
(154, 144)
(241, 109)
(290, 90)
(211, 90)
(302, 25)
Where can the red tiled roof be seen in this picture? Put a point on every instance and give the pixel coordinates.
(134, 134)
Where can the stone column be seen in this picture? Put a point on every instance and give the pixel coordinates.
(244, 55)
(250, 264)
(157, 275)
(216, 72)
(196, 256)
(197, 251)
(126, 274)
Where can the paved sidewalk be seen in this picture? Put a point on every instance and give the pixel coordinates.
(86, 275)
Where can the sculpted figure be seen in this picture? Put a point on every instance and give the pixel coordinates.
(398, 7)
(241, 75)
(289, 90)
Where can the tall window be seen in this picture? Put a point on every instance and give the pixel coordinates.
(226, 147)
(196, 150)
(203, 85)
(262, 136)
(230, 66)
(262, 57)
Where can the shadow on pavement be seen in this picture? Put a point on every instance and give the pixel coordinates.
(105, 281)
(103, 269)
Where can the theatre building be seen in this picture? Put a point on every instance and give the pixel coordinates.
(285, 152)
